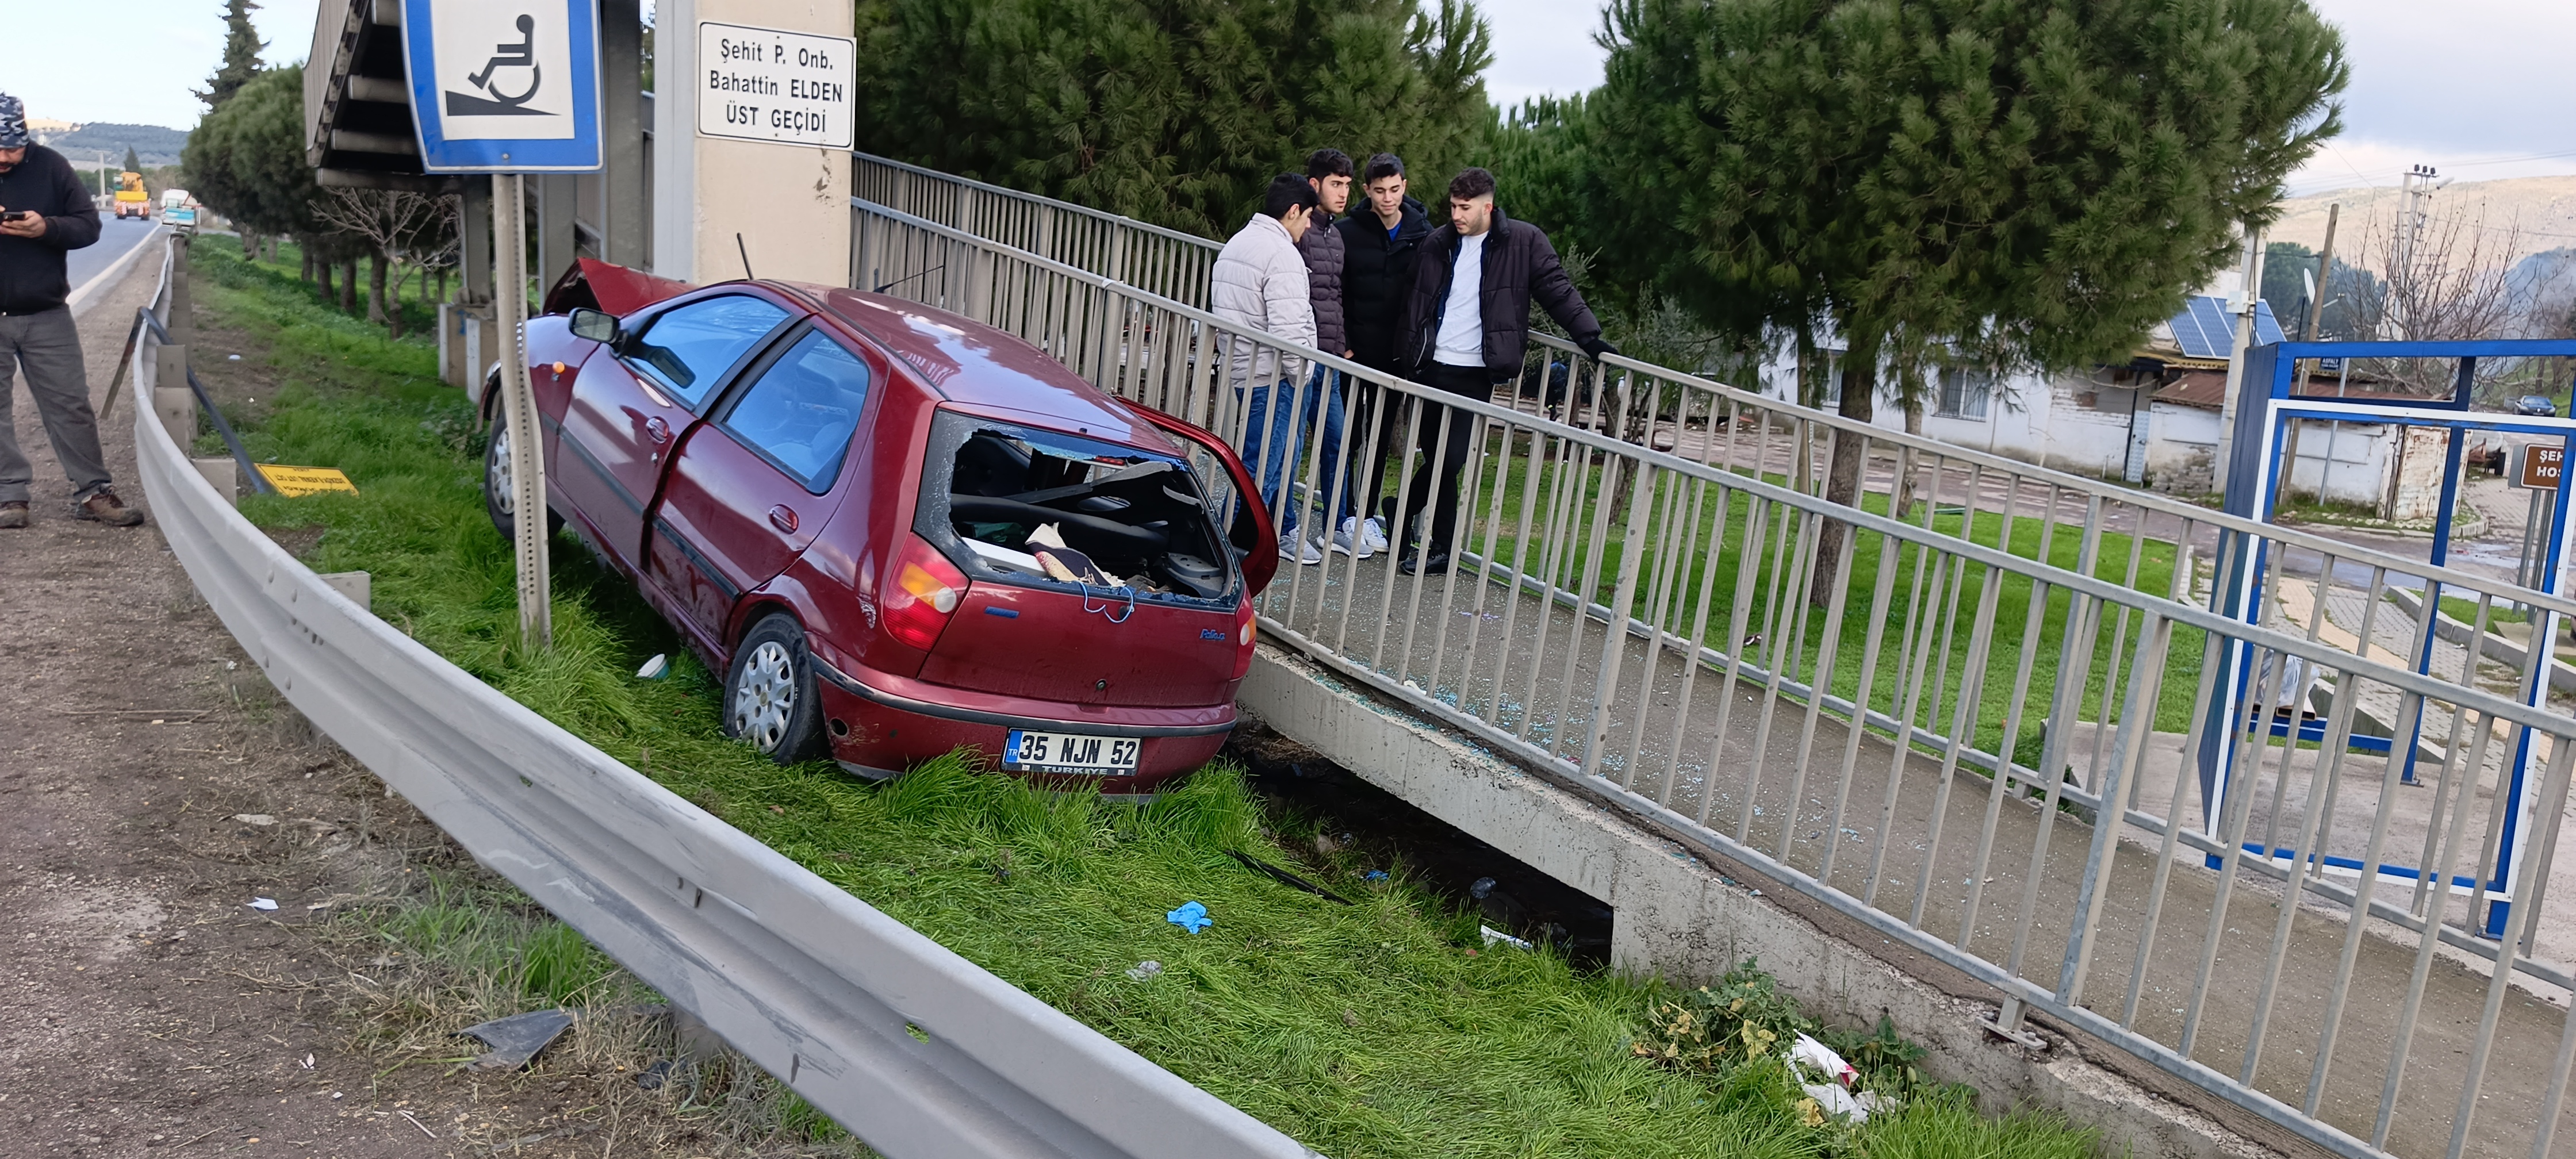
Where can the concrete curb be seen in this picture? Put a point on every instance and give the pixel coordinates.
(1684, 918)
(2493, 647)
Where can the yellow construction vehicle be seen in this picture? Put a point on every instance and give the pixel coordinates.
(131, 200)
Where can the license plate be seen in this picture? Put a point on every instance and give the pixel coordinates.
(1069, 753)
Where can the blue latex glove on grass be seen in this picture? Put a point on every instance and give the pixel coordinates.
(1191, 916)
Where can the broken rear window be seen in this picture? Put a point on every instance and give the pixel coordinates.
(1036, 507)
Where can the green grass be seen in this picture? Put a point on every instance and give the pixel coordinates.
(1924, 591)
(1375, 1029)
(2466, 611)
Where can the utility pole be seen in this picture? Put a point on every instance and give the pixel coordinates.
(2243, 306)
(2418, 189)
(2316, 312)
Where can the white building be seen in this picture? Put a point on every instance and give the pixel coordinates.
(2152, 422)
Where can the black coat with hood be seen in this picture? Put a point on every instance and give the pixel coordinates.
(1520, 266)
(1377, 273)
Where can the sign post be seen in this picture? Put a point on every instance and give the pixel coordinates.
(510, 87)
(2537, 469)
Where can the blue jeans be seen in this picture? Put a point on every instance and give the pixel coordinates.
(1273, 465)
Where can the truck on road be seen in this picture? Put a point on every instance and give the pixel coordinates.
(131, 200)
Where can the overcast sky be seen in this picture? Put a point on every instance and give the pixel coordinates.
(2479, 88)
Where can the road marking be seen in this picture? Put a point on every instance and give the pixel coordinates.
(80, 298)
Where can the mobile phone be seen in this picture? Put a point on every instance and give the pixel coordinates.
(17, 215)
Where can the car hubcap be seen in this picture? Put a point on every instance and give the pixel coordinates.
(764, 696)
(496, 471)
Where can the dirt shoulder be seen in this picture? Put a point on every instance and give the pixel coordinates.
(151, 786)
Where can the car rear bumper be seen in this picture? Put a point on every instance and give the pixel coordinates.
(890, 728)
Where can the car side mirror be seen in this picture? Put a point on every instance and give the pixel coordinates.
(594, 325)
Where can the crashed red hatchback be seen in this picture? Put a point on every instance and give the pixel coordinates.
(897, 531)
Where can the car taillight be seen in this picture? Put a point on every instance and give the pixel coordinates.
(926, 588)
(1243, 635)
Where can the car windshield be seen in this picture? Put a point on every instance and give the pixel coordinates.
(1025, 504)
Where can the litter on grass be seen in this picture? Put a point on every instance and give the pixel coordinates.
(1828, 1079)
(1495, 937)
(255, 818)
(1191, 916)
(1146, 970)
(654, 669)
(516, 1039)
(263, 903)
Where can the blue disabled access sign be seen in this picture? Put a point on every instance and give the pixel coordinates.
(504, 86)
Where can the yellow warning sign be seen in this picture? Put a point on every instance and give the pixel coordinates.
(295, 481)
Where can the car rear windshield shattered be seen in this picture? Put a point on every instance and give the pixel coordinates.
(1025, 505)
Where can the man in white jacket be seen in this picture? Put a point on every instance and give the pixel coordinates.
(1260, 283)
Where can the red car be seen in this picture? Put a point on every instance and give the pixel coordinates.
(897, 531)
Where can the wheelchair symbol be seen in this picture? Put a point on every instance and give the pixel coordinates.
(495, 102)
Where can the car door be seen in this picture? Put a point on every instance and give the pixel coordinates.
(627, 414)
(747, 491)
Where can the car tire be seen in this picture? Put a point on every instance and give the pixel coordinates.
(497, 498)
(769, 692)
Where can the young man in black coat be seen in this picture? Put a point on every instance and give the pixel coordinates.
(1465, 328)
(1379, 247)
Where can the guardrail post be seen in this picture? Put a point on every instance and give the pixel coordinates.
(182, 320)
(224, 475)
(175, 406)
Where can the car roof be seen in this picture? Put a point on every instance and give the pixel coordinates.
(984, 369)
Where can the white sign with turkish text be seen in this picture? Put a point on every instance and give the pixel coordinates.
(764, 84)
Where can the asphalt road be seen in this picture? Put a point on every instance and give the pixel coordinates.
(115, 239)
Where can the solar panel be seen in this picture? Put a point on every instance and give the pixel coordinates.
(2205, 329)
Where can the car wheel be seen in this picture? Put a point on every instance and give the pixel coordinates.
(498, 496)
(769, 694)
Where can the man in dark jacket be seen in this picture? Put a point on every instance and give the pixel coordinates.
(1379, 248)
(1328, 173)
(45, 212)
(1466, 326)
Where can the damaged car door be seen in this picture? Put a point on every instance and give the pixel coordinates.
(623, 420)
(748, 491)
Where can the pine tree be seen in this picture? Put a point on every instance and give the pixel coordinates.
(133, 163)
(1173, 111)
(242, 47)
(2026, 183)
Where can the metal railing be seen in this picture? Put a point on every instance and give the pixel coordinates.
(1163, 261)
(916, 1050)
(1641, 609)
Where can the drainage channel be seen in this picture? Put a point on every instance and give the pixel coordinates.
(1504, 891)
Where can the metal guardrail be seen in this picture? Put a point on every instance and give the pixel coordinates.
(1632, 616)
(915, 1049)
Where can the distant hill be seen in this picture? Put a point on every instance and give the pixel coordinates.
(152, 144)
(2543, 207)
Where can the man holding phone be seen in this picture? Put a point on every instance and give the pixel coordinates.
(45, 213)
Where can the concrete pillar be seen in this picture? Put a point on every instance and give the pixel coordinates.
(558, 195)
(790, 204)
(474, 228)
(621, 126)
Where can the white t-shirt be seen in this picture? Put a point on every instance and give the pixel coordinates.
(1462, 321)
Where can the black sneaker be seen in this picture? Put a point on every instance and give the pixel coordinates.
(1413, 563)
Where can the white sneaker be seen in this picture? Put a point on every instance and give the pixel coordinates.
(1372, 535)
(1293, 546)
(1352, 540)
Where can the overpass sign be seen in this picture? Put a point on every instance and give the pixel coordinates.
(767, 84)
(504, 86)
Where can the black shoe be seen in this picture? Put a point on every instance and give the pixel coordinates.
(1413, 563)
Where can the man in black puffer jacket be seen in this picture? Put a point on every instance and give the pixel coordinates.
(1466, 326)
(1379, 248)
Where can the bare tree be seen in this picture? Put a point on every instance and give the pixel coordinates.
(399, 228)
(2439, 277)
